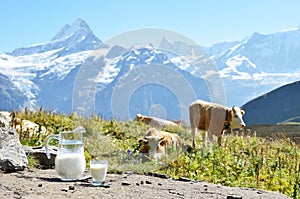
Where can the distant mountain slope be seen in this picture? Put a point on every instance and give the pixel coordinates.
(257, 64)
(270, 53)
(163, 94)
(76, 71)
(10, 97)
(276, 106)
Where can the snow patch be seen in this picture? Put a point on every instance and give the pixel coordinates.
(109, 72)
(238, 60)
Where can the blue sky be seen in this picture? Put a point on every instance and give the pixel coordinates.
(206, 22)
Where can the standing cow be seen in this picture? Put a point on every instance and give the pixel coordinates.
(212, 119)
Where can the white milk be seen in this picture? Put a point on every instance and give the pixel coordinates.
(70, 166)
(98, 172)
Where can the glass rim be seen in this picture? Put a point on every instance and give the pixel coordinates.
(99, 161)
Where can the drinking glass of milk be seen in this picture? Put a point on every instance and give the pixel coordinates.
(98, 171)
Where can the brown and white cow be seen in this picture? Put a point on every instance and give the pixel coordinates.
(212, 119)
(156, 143)
(155, 122)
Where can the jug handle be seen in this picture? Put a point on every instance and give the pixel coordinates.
(79, 129)
(50, 137)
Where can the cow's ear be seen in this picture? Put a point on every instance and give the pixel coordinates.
(143, 140)
(162, 142)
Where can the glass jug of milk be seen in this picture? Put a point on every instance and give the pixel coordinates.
(70, 160)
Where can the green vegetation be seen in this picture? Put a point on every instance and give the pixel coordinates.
(53, 122)
(246, 161)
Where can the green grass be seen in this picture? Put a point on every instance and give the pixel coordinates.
(246, 162)
(269, 163)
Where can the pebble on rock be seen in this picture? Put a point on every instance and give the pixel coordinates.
(126, 183)
(234, 197)
(180, 194)
(148, 182)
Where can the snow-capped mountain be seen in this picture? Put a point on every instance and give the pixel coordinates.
(258, 64)
(34, 69)
(70, 39)
(150, 82)
(272, 53)
(76, 71)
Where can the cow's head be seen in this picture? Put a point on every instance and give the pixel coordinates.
(144, 119)
(236, 117)
(155, 145)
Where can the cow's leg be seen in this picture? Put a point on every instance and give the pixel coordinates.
(194, 130)
(210, 139)
(219, 140)
(204, 138)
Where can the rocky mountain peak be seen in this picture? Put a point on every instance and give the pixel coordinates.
(69, 30)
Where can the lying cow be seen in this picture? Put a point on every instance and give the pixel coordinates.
(212, 119)
(156, 143)
(155, 122)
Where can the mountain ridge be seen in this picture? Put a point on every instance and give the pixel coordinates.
(46, 72)
(67, 40)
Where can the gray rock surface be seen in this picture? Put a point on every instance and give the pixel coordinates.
(39, 153)
(46, 184)
(12, 155)
(5, 119)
